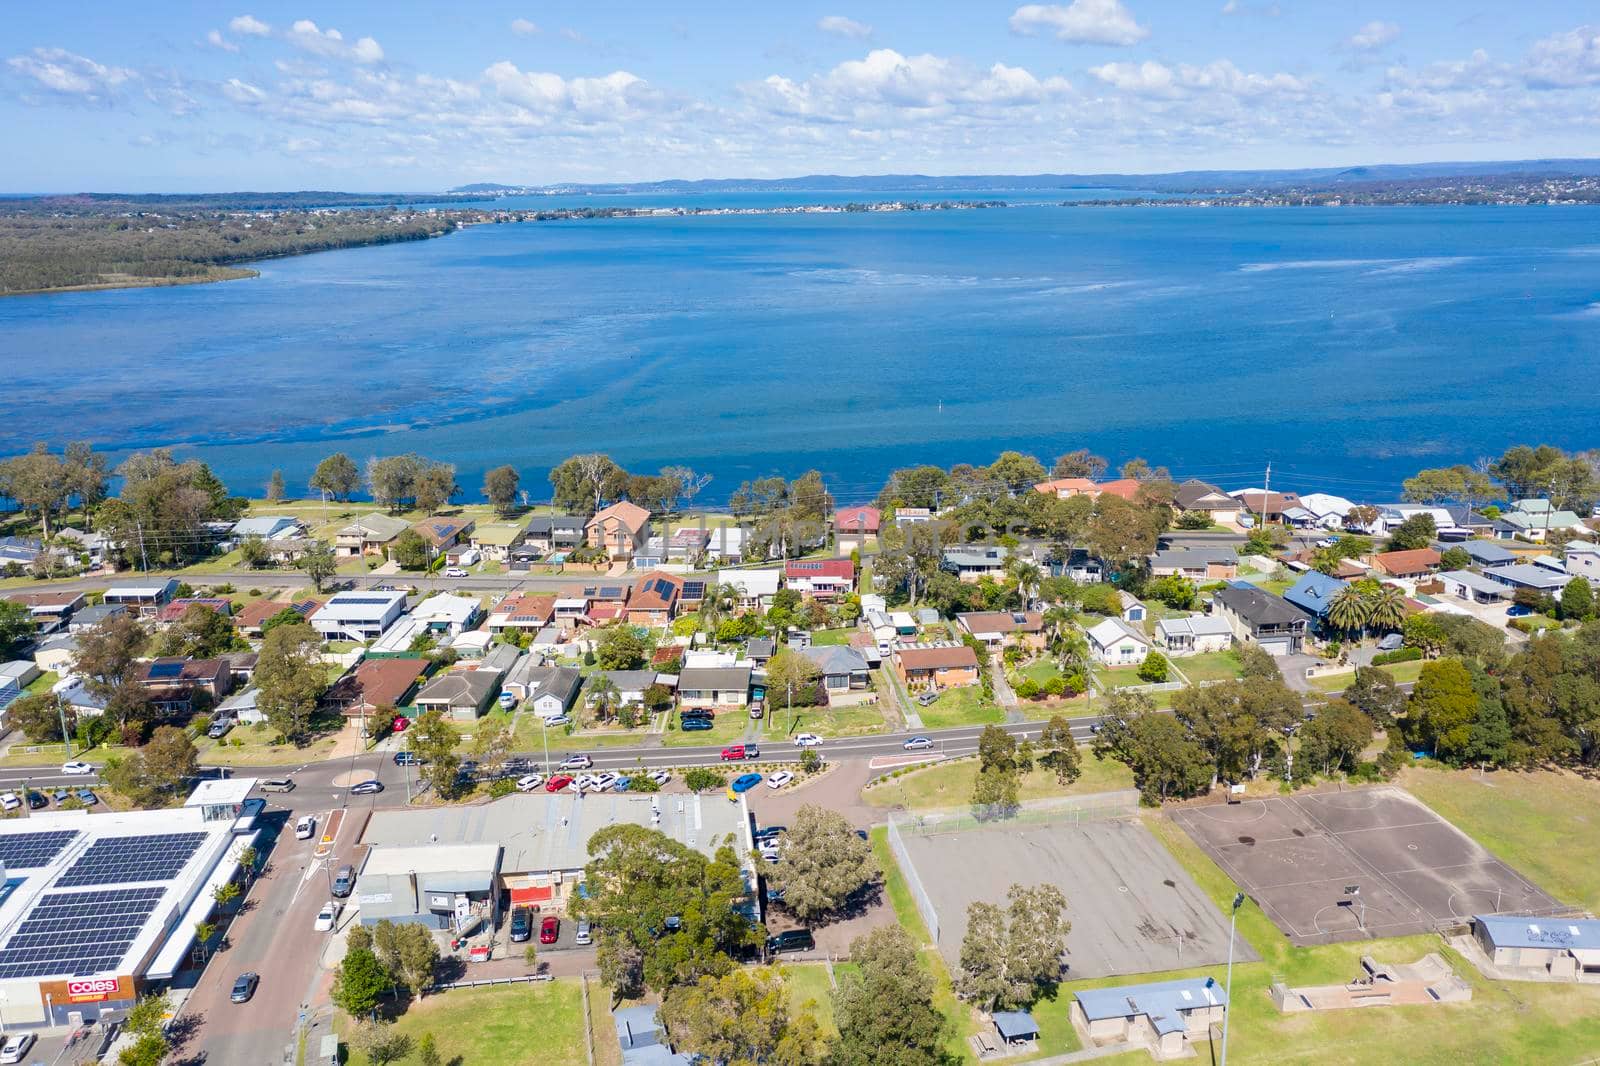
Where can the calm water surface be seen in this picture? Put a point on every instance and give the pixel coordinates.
(1348, 346)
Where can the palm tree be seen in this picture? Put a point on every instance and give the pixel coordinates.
(1386, 609)
(1026, 575)
(719, 603)
(1347, 611)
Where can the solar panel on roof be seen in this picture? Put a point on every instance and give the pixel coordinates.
(27, 851)
(78, 933)
(154, 857)
(694, 590)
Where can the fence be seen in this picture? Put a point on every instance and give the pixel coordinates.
(919, 895)
(488, 981)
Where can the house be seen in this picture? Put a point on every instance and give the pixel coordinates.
(91, 545)
(686, 545)
(20, 551)
(1196, 564)
(642, 1038)
(760, 650)
(1206, 498)
(442, 534)
(56, 653)
(1078, 565)
(912, 516)
(376, 685)
(253, 615)
(494, 540)
(619, 530)
(371, 534)
(592, 604)
(50, 610)
(174, 611)
(242, 707)
(756, 587)
(725, 545)
(999, 628)
(1581, 559)
(1132, 610)
(821, 579)
(554, 533)
(714, 686)
(631, 685)
(1115, 642)
(1534, 519)
(1410, 565)
(1482, 552)
(1528, 576)
(173, 683)
(881, 626)
(463, 695)
(1277, 625)
(92, 615)
(857, 521)
(358, 615)
(146, 600)
(1194, 634)
(974, 562)
(1327, 510)
(845, 675)
(547, 691)
(1473, 588)
(654, 599)
(1313, 592)
(936, 666)
(1164, 1016)
(275, 527)
(1263, 505)
(1064, 488)
(446, 613)
(521, 611)
(1560, 948)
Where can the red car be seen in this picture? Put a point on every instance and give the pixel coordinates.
(550, 930)
(557, 783)
(740, 751)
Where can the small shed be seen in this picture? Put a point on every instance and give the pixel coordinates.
(1016, 1026)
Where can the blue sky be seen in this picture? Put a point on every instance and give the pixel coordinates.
(161, 96)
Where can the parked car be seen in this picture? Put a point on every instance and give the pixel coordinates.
(585, 934)
(10, 801)
(521, 925)
(757, 708)
(16, 1047)
(623, 784)
(245, 987)
(927, 699)
(779, 779)
(37, 800)
(736, 752)
(770, 832)
(530, 783)
(806, 740)
(555, 721)
(745, 782)
(305, 828)
(917, 743)
(328, 917)
(344, 881)
(508, 699)
(1391, 642)
(76, 767)
(550, 930)
(366, 788)
(791, 940)
(85, 797)
(455, 571)
(577, 761)
(219, 728)
(697, 712)
(1516, 610)
(770, 850)
(557, 782)
(660, 777)
(603, 782)
(695, 725)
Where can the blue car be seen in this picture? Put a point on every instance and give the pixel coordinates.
(745, 782)
(622, 784)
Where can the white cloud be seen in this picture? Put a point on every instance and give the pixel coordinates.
(330, 43)
(242, 92)
(1372, 36)
(1565, 60)
(886, 82)
(249, 26)
(69, 74)
(524, 28)
(1080, 22)
(1234, 7)
(841, 26)
(1151, 78)
(216, 40)
(543, 94)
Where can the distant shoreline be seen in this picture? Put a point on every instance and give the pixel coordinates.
(218, 274)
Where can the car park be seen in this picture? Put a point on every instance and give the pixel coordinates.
(779, 779)
(806, 740)
(577, 762)
(791, 940)
(455, 571)
(305, 828)
(735, 752)
(557, 782)
(76, 767)
(366, 788)
(530, 783)
(328, 917)
(244, 987)
(917, 743)
(344, 881)
(745, 782)
(660, 777)
(696, 725)
(550, 930)
(585, 934)
(521, 925)
(15, 1048)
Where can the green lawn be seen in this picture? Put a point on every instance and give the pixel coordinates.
(826, 637)
(505, 1025)
(257, 745)
(1119, 676)
(729, 725)
(958, 707)
(1544, 823)
(1211, 666)
(829, 721)
(52, 754)
(1401, 672)
(949, 784)
(808, 981)
(43, 682)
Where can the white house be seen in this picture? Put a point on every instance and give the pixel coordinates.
(1132, 609)
(447, 613)
(1328, 510)
(276, 527)
(1193, 635)
(1582, 560)
(756, 587)
(359, 615)
(1114, 642)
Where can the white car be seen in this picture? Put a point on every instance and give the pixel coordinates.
(9, 801)
(530, 783)
(15, 1047)
(577, 762)
(305, 828)
(779, 779)
(76, 767)
(455, 571)
(603, 782)
(769, 850)
(807, 740)
(328, 916)
(660, 777)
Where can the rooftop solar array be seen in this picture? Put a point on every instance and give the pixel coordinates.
(113, 860)
(694, 590)
(363, 601)
(29, 851)
(77, 933)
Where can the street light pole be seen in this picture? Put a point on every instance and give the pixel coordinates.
(1227, 1008)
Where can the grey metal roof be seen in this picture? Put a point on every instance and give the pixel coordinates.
(1258, 606)
(1193, 558)
(835, 659)
(1550, 934)
(1476, 582)
(719, 678)
(626, 680)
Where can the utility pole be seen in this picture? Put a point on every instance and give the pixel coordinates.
(1227, 1008)
(144, 560)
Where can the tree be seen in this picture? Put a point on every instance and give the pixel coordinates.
(491, 748)
(148, 1049)
(997, 749)
(16, 628)
(1417, 531)
(337, 476)
(1577, 600)
(39, 716)
(418, 957)
(290, 679)
(1121, 531)
(703, 779)
(358, 982)
(883, 1007)
(741, 1018)
(1165, 761)
(428, 1050)
(276, 490)
(411, 550)
(319, 563)
(39, 482)
(1458, 483)
(583, 482)
(823, 863)
(1080, 463)
(225, 893)
(1374, 691)
(380, 1042)
(500, 487)
(995, 794)
(1347, 610)
(107, 659)
(1455, 558)
(1386, 609)
(435, 742)
(1155, 668)
(1017, 472)
(170, 758)
(793, 680)
(619, 647)
(1256, 662)
(1059, 751)
(690, 484)
(200, 633)
(392, 480)
(1334, 739)
(1009, 956)
(436, 486)
(1174, 590)
(1442, 709)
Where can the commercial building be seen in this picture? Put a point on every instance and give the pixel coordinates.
(1164, 1016)
(358, 616)
(1553, 947)
(96, 910)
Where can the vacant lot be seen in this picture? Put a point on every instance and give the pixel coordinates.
(958, 707)
(508, 1025)
(1211, 666)
(949, 784)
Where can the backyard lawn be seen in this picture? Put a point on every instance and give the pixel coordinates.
(505, 1025)
(958, 707)
(949, 784)
(826, 637)
(1211, 666)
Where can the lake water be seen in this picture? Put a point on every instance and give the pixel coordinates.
(1347, 346)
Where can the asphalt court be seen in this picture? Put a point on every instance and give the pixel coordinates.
(1299, 857)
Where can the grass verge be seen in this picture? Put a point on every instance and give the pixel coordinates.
(949, 784)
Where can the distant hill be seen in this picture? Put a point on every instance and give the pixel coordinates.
(1178, 182)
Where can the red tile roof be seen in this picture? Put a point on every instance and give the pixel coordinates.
(631, 515)
(1125, 487)
(377, 683)
(174, 610)
(810, 568)
(955, 657)
(655, 591)
(1415, 561)
(857, 519)
(253, 614)
(525, 608)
